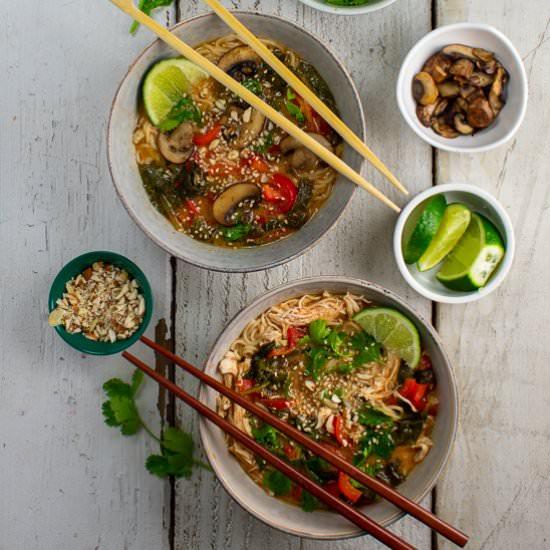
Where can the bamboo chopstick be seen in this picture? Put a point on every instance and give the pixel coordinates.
(354, 515)
(390, 494)
(336, 123)
(287, 125)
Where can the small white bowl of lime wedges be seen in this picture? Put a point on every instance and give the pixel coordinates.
(454, 243)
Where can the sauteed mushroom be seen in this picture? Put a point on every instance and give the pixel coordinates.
(460, 90)
(240, 62)
(302, 158)
(437, 67)
(424, 89)
(177, 146)
(241, 126)
(226, 204)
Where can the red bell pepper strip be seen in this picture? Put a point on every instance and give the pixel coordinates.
(332, 488)
(191, 205)
(293, 334)
(339, 431)
(245, 384)
(257, 163)
(282, 191)
(279, 404)
(203, 140)
(415, 393)
(347, 489)
(291, 452)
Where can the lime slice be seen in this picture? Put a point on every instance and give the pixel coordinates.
(453, 225)
(166, 83)
(428, 218)
(392, 330)
(475, 257)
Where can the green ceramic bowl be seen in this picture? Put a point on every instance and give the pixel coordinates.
(78, 265)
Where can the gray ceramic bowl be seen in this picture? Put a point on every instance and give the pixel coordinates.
(125, 173)
(324, 524)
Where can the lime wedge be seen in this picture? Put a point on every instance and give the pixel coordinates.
(455, 221)
(475, 257)
(428, 218)
(166, 83)
(393, 331)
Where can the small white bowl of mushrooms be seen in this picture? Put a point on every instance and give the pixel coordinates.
(463, 88)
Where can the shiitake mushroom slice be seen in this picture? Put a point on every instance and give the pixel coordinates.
(424, 89)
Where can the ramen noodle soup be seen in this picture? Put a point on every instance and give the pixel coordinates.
(226, 175)
(307, 361)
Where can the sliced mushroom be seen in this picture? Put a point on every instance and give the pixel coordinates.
(489, 67)
(495, 94)
(467, 90)
(424, 89)
(225, 205)
(481, 79)
(241, 62)
(437, 67)
(462, 68)
(459, 50)
(177, 146)
(302, 158)
(461, 104)
(484, 55)
(444, 129)
(250, 128)
(479, 113)
(449, 89)
(440, 106)
(461, 125)
(425, 113)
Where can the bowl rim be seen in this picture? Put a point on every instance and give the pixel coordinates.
(413, 122)
(243, 314)
(350, 10)
(504, 218)
(268, 264)
(67, 272)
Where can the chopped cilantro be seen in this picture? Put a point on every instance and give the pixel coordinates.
(293, 109)
(267, 436)
(319, 331)
(253, 85)
(317, 359)
(277, 483)
(147, 6)
(236, 232)
(184, 110)
(309, 502)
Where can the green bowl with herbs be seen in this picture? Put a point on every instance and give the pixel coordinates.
(142, 304)
(348, 7)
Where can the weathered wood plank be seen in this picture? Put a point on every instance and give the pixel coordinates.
(372, 48)
(497, 486)
(67, 480)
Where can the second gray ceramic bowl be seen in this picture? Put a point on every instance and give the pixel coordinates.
(324, 524)
(125, 173)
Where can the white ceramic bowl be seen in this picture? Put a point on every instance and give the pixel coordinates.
(478, 200)
(325, 524)
(348, 10)
(477, 35)
(124, 170)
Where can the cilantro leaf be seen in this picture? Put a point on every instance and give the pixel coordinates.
(236, 232)
(336, 340)
(369, 349)
(318, 331)
(147, 6)
(267, 436)
(317, 359)
(183, 111)
(378, 442)
(309, 502)
(369, 416)
(120, 410)
(293, 109)
(277, 483)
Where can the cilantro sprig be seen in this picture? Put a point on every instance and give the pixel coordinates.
(293, 109)
(183, 111)
(177, 446)
(147, 6)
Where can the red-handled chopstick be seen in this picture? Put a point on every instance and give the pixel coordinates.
(385, 491)
(354, 515)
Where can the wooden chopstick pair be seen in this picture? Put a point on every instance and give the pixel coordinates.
(287, 125)
(347, 511)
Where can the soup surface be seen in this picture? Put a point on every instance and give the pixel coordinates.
(225, 174)
(307, 361)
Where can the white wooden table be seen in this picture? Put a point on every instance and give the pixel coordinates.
(69, 482)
